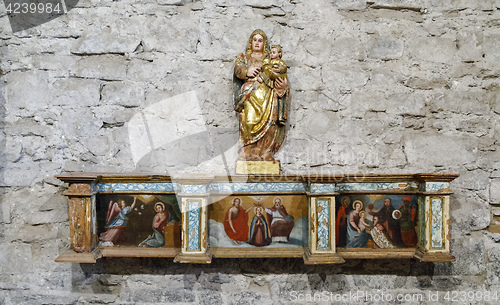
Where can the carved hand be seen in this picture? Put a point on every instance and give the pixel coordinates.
(280, 86)
(253, 71)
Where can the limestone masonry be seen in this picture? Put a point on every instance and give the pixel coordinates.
(383, 87)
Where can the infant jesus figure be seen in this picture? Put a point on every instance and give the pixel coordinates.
(274, 67)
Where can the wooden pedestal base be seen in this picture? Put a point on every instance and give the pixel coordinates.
(434, 256)
(71, 256)
(258, 167)
(322, 258)
(194, 258)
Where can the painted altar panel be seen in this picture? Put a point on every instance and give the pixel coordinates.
(138, 220)
(377, 221)
(373, 217)
(259, 221)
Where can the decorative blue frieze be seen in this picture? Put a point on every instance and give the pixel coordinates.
(322, 188)
(256, 187)
(371, 186)
(436, 186)
(193, 225)
(193, 189)
(323, 224)
(437, 231)
(150, 186)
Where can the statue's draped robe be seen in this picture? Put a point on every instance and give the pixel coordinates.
(263, 113)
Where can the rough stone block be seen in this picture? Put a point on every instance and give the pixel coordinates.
(466, 248)
(350, 4)
(15, 258)
(104, 42)
(367, 100)
(163, 292)
(434, 49)
(27, 90)
(156, 70)
(58, 64)
(105, 67)
(385, 48)
(344, 78)
(416, 5)
(174, 2)
(79, 126)
(473, 180)
(19, 174)
(495, 191)
(494, 99)
(491, 47)
(173, 35)
(348, 48)
(470, 45)
(429, 150)
(453, 5)
(5, 214)
(407, 103)
(466, 102)
(99, 146)
(317, 44)
(76, 92)
(305, 78)
(40, 231)
(126, 94)
(493, 264)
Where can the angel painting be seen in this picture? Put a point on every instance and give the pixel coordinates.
(116, 221)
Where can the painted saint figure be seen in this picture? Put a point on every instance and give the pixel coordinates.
(381, 239)
(341, 223)
(357, 237)
(116, 221)
(259, 229)
(407, 223)
(262, 103)
(236, 222)
(281, 222)
(363, 224)
(390, 224)
(157, 239)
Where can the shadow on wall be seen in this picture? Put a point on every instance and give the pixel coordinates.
(168, 282)
(165, 266)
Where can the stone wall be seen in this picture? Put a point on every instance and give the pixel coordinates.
(389, 86)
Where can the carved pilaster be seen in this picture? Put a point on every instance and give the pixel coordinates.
(194, 234)
(322, 247)
(434, 222)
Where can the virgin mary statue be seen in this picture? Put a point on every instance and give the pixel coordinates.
(262, 104)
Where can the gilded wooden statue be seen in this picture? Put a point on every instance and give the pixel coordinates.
(261, 97)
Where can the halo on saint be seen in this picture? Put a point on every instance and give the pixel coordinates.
(161, 204)
(357, 201)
